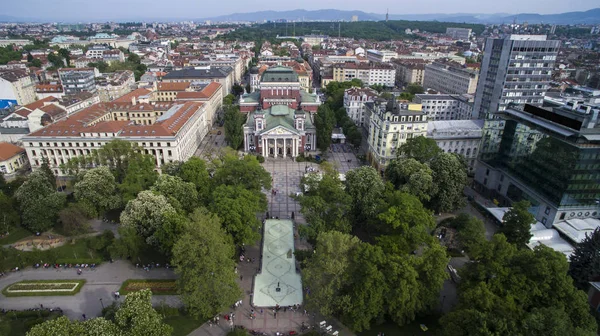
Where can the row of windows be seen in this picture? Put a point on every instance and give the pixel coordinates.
(84, 144)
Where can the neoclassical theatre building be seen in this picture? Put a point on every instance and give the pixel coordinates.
(280, 115)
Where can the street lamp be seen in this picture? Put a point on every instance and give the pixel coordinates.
(102, 303)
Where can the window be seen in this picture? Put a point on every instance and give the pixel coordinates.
(487, 172)
(562, 215)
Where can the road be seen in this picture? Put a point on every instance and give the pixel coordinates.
(100, 284)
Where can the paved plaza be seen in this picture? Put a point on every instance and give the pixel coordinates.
(278, 282)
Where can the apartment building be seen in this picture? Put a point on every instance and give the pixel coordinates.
(369, 74)
(446, 107)
(409, 72)
(515, 70)
(78, 80)
(354, 102)
(391, 124)
(450, 77)
(173, 136)
(235, 62)
(461, 137)
(17, 85)
(210, 94)
(49, 89)
(114, 85)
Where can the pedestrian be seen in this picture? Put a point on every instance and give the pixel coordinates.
(241, 277)
(118, 295)
(83, 315)
(261, 311)
(275, 315)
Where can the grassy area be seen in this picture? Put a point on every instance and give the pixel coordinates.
(15, 234)
(39, 284)
(18, 323)
(413, 329)
(76, 252)
(183, 325)
(157, 286)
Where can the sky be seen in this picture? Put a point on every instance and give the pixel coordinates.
(101, 10)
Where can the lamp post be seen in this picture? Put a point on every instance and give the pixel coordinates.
(102, 303)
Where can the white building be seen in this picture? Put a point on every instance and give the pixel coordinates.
(354, 102)
(391, 124)
(12, 158)
(446, 107)
(461, 137)
(381, 56)
(450, 77)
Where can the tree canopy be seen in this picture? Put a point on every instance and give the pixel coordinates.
(585, 260)
(39, 202)
(516, 223)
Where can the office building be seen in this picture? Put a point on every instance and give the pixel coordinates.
(446, 107)
(549, 157)
(381, 56)
(409, 71)
(515, 70)
(17, 86)
(354, 102)
(221, 75)
(450, 77)
(369, 74)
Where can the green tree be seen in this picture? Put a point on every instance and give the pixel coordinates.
(325, 204)
(73, 220)
(327, 272)
(204, 258)
(182, 195)
(61, 326)
(411, 176)
(585, 260)
(415, 89)
(130, 244)
(48, 173)
(324, 123)
(508, 289)
(36, 63)
(246, 172)
(516, 223)
(471, 232)
(234, 131)
(66, 54)
(39, 202)
(100, 65)
(420, 148)
(146, 213)
(136, 317)
(10, 216)
(365, 186)
(140, 175)
(237, 207)
(450, 177)
(194, 171)
(237, 90)
(96, 189)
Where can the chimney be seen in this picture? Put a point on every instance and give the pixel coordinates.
(133, 101)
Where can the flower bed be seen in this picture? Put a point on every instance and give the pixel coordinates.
(44, 288)
(158, 286)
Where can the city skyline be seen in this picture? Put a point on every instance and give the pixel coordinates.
(70, 10)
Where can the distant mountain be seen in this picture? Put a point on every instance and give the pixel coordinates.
(589, 17)
(296, 15)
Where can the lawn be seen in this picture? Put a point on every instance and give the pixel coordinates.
(157, 286)
(413, 329)
(19, 323)
(183, 325)
(15, 234)
(43, 287)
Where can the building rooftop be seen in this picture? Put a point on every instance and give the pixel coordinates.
(279, 74)
(193, 73)
(8, 150)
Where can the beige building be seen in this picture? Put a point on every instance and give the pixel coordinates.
(392, 123)
(17, 85)
(462, 137)
(369, 74)
(173, 136)
(114, 85)
(409, 72)
(450, 77)
(12, 158)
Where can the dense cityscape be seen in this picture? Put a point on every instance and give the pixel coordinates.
(363, 175)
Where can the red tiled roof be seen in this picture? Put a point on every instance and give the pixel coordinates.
(8, 150)
(173, 86)
(25, 110)
(113, 126)
(135, 93)
(42, 88)
(53, 110)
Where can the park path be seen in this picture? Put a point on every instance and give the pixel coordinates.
(100, 284)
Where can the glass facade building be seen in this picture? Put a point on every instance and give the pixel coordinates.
(549, 157)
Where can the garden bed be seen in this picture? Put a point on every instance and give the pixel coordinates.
(157, 286)
(43, 288)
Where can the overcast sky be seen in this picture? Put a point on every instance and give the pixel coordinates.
(98, 10)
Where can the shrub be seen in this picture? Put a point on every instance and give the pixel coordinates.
(260, 158)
